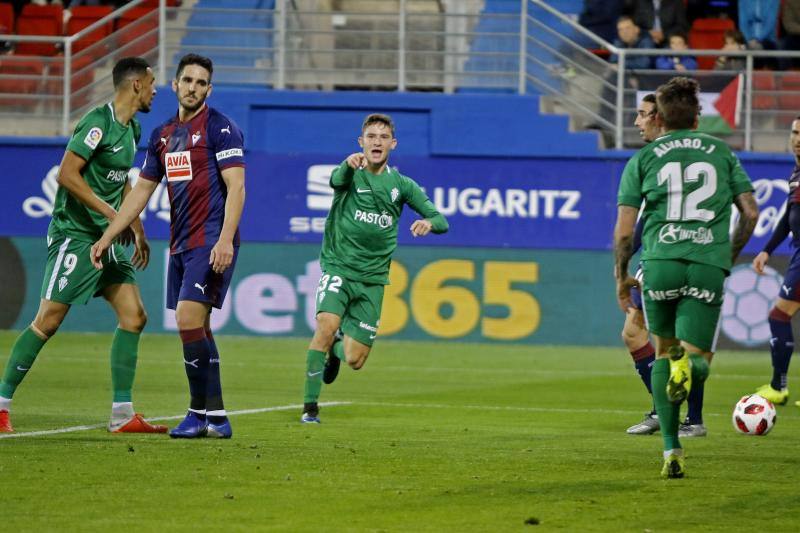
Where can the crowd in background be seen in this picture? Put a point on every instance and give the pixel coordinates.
(648, 24)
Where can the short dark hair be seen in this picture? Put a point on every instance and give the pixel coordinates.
(378, 118)
(736, 35)
(195, 59)
(680, 34)
(650, 98)
(678, 103)
(127, 66)
(623, 18)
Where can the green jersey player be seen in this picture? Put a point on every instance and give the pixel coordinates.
(360, 238)
(92, 179)
(688, 181)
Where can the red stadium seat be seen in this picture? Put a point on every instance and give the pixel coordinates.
(20, 76)
(764, 80)
(40, 20)
(138, 31)
(6, 18)
(83, 16)
(707, 34)
(789, 98)
(81, 77)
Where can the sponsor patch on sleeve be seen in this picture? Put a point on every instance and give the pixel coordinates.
(92, 138)
(233, 152)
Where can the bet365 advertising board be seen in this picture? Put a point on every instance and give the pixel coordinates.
(527, 258)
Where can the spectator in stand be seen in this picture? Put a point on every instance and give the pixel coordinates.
(677, 42)
(600, 17)
(758, 20)
(629, 35)
(734, 41)
(790, 18)
(659, 17)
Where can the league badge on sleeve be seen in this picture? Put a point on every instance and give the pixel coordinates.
(92, 138)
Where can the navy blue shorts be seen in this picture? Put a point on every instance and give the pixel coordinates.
(790, 290)
(190, 277)
(636, 292)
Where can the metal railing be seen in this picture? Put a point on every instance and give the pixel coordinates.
(50, 92)
(398, 45)
(562, 61)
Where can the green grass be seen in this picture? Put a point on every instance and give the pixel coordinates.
(438, 437)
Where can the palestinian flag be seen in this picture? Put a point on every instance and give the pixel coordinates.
(720, 110)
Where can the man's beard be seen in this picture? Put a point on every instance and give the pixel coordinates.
(195, 107)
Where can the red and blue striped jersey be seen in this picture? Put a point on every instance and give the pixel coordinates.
(192, 156)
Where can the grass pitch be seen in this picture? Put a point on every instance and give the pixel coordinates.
(435, 437)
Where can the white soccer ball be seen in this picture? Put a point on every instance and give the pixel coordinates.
(748, 299)
(754, 415)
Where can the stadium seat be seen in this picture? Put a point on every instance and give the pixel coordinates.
(83, 16)
(708, 33)
(81, 77)
(20, 77)
(40, 20)
(789, 96)
(6, 18)
(764, 80)
(137, 31)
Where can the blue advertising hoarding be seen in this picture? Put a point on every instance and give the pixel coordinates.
(538, 203)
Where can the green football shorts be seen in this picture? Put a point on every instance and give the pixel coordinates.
(70, 277)
(358, 304)
(683, 300)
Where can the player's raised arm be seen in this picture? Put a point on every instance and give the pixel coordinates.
(342, 176)
(433, 221)
(222, 253)
(133, 204)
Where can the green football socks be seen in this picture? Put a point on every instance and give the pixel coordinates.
(700, 369)
(23, 354)
(338, 350)
(668, 412)
(124, 352)
(315, 364)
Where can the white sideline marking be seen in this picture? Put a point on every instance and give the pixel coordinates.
(161, 419)
(526, 409)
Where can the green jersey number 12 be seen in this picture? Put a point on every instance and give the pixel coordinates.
(686, 209)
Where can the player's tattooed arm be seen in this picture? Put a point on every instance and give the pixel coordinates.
(748, 216)
(623, 251)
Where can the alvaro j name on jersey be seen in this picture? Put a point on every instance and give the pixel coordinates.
(688, 181)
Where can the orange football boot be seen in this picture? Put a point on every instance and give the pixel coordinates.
(5, 422)
(137, 424)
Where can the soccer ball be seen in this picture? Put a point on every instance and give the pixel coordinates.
(748, 299)
(754, 415)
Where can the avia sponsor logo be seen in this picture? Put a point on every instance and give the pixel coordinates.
(766, 191)
(672, 234)
(704, 295)
(508, 203)
(178, 165)
(117, 175)
(42, 206)
(382, 220)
